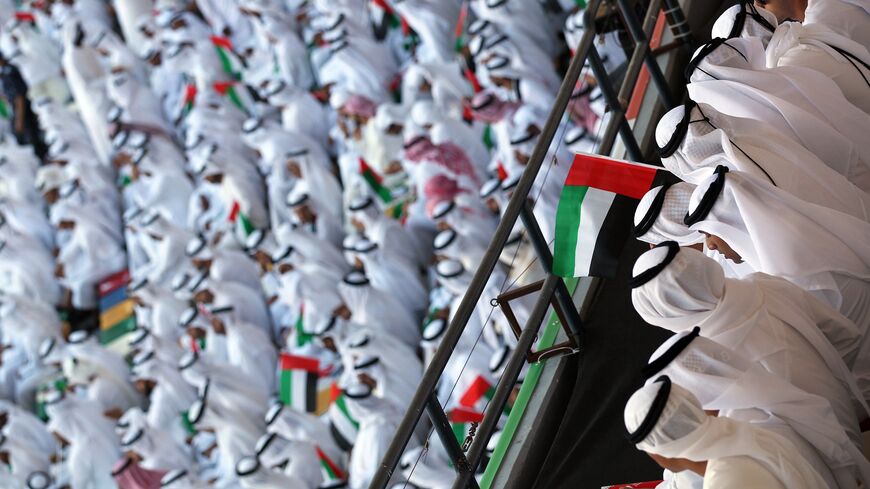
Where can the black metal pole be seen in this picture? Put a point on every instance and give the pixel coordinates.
(466, 307)
(451, 445)
(617, 113)
(629, 81)
(562, 295)
(508, 380)
(641, 38)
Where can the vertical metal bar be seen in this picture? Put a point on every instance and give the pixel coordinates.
(445, 432)
(635, 63)
(617, 112)
(679, 25)
(641, 38)
(542, 248)
(508, 380)
(466, 307)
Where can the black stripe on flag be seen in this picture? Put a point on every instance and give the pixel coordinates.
(617, 228)
(612, 237)
(311, 392)
(339, 437)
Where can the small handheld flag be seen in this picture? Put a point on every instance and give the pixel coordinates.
(375, 181)
(594, 213)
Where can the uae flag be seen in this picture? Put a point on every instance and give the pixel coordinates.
(375, 181)
(343, 426)
(224, 48)
(461, 419)
(478, 394)
(189, 97)
(243, 224)
(332, 473)
(459, 29)
(302, 337)
(595, 211)
(299, 379)
(228, 89)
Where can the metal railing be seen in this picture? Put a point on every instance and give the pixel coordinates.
(553, 288)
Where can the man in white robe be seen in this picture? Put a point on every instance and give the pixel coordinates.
(667, 422)
(776, 324)
(726, 381)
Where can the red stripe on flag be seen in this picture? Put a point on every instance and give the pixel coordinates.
(294, 362)
(234, 212)
(460, 22)
(472, 78)
(382, 4)
(334, 392)
(364, 168)
(502, 172)
(328, 461)
(621, 177)
(221, 42)
(22, 16)
(461, 415)
(222, 87)
(475, 392)
(189, 93)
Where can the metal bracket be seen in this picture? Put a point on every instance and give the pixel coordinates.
(569, 347)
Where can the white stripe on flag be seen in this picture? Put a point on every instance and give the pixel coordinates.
(596, 205)
(298, 389)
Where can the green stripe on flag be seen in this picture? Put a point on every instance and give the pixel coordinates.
(459, 429)
(226, 62)
(286, 387)
(245, 224)
(302, 338)
(342, 406)
(488, 140)
(115, 332)
(185, 421)
(379, 189)
(567, 223)
(4, 110)
(234, 98)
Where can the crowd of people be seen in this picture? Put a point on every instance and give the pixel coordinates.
(299, 192)
(760, 257)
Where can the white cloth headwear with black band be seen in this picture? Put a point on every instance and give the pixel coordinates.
(801, 103)
(694, 139)
(819, 249)
(669, 421)
(771, 321)
(724, 380)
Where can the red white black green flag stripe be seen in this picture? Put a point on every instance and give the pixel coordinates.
(299, 382)
(593, 219)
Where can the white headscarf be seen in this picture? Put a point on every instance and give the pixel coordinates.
(659, 216)
(684, 430)
(724, 380)
(393, 275)
(94, 445)
(755, 22)
(734, 81)
(772, 321)
(781, 235)
(378, 310)
(818, 47)
(297, 425)
(695, 143)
